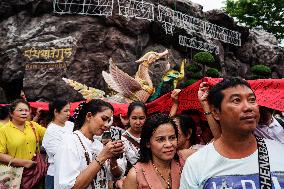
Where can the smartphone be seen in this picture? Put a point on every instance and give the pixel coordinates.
(116, 135)
(106, 135)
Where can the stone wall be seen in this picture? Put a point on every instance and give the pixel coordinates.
(94, 39)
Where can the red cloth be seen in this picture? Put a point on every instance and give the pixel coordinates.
(269, 93)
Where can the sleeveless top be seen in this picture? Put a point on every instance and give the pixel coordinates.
(147, 178)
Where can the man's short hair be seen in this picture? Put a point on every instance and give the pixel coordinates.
(216, 96)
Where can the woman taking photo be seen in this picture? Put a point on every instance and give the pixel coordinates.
(59, 112)
(82, 161)
(18, 137)
(159, 165)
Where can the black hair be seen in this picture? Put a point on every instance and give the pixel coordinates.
(4, 112)
(93, 106)
(134, 105)
(16, 102)
(216, 96)
(191, 112)
(265, 115)
(187, 123)
(151, 124)
(56, 105)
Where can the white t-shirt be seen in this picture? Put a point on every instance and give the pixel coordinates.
(52, 139)
(131, 151)
(207, 169)
(70, 161)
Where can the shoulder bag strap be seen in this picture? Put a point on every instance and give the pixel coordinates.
(264, 166)
(134, 142)
(37, 142)
(87, 157)
(280, 121)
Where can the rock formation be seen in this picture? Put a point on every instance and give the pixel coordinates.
(94, 39)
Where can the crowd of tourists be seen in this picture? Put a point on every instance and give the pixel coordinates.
(235, 144)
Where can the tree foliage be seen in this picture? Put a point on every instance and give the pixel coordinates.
(213, 72)
(193, 68)
(267, 14)
(261, 70)
(204, 58)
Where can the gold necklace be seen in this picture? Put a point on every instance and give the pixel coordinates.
(168, 182)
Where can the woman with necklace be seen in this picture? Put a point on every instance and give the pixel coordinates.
(159, 166)
(81, 161)
(59, 112)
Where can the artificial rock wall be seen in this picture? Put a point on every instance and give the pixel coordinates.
(83, 45)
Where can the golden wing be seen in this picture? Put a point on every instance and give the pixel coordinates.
(87, 92)
(121, 81)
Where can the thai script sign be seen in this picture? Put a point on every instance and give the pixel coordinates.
(190, 24)
(58, 54)
(193, 43)
(47, 58)
(136, 9)
(84, 7)
(45, 65)
(169, 18)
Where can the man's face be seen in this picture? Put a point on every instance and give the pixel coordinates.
(239, 111)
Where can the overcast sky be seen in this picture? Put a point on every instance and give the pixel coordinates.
(210, 4)
(216, 4)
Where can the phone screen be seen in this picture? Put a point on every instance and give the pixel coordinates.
(106, 135)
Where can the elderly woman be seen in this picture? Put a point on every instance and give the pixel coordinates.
(18, 137)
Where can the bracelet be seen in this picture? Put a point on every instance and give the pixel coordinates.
(207, 113)
(99, 162)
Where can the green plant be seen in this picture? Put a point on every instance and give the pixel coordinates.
(212, 72)
(264, 14)
(261, 70)
(193, 68)
(197, 75)
(204, 58)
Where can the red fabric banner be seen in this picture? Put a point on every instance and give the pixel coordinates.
(269, 93)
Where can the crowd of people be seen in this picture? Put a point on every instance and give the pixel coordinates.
(238, 145)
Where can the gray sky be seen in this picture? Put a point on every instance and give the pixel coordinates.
(210, 4)
(216, 4)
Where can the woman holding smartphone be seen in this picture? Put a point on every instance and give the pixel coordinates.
(82, 161)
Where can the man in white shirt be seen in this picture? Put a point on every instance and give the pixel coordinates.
(231, 161)
(268, 126)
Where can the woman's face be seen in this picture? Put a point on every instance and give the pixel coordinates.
(64, 114)
(21, 113)
(163, 142)
(137, 119)
(100, 121)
